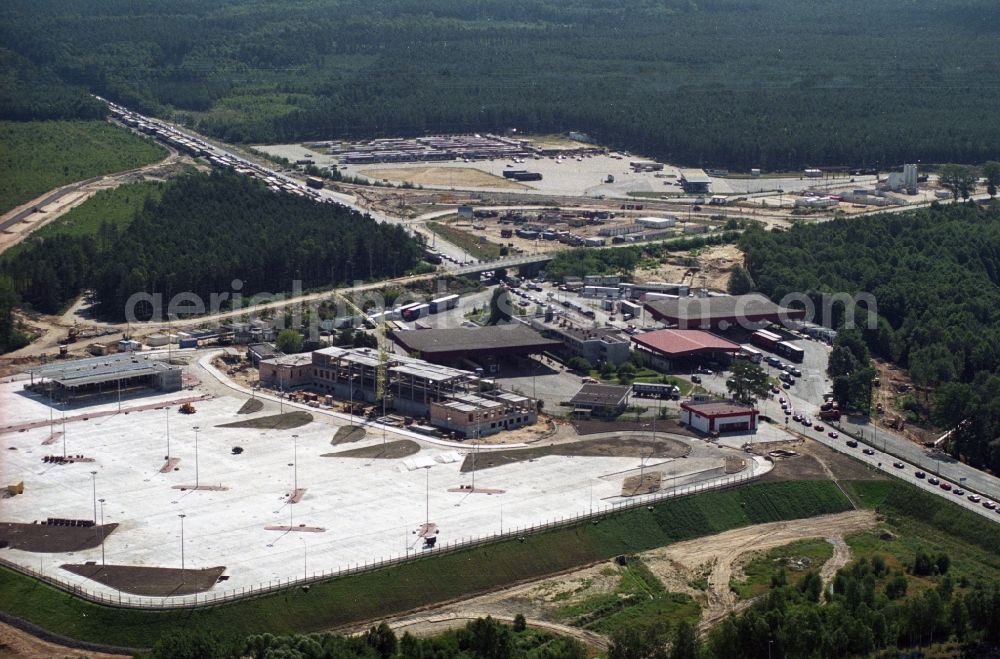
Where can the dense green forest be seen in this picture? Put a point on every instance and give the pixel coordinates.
(38, 156)
(204, 232)
(29, 92)
(935, 277)
(770, 83)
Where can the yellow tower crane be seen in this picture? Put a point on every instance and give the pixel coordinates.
(382, 341)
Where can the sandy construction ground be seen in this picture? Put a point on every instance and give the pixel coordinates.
(718, 556)
(716, 267)
(452, 177)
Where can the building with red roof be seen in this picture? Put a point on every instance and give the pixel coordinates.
(665, 348)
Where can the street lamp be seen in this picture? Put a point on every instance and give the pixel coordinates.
(182, 516)
(103, 534)
(196, 480)
(93, 481)
(295, 465)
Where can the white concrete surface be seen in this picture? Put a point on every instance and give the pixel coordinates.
(369, 508)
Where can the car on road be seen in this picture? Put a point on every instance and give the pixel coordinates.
(934, 481)
(785, 385)
(796, 372)
(958, 492)
(898, 465)
(946, 486)
(869, 451)
(695, 379)
(782, 400)
(818, 428)
(833, 434)
(975, 498)
(807, 422)
(852, 443)
(989, 505)
(920, 474)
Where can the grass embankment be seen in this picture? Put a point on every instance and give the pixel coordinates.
(435, 579)
(484, 251)
(37, 156)
(117, 207)
(918, 521)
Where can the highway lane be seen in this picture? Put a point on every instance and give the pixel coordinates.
(807, 395)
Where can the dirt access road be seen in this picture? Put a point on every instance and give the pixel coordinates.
(721, 555)
(18, 223)
(16, 644)
(716, 557)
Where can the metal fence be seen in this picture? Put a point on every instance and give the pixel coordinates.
(218, 598)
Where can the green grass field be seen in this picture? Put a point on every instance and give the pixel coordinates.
(377, 594)
(117, 206)
(37, 156)
(790, 558)
(638, 601)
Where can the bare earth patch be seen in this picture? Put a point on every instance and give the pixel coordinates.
(273, 422)
(348, 435)
(458, 177)
(150, 581)
(389, 451)
(51, 539)
(621, 446)
(251, 406)
(715, 267)
(647, 483)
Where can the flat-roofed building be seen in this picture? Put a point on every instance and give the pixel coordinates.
(721, 311)
(600, 400)
(485, 413)
(695, 181)
(483, 344)
(97, 376)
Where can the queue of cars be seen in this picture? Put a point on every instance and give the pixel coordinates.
(851, 443)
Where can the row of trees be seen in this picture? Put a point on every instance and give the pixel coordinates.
(864, 612)
(211, 235)
(483, 638)
(961, 180)
(768, 84)
(932, 279)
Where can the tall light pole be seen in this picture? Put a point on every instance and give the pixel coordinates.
(295, 465)
(196, 481)
(168, 427)
(93, 482)
(103, 534)
(182, 516)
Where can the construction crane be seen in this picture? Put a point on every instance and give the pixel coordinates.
(382, 341)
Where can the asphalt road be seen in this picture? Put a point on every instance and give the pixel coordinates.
(807, 395)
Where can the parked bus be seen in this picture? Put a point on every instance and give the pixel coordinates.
(752, 354)
(789, 351)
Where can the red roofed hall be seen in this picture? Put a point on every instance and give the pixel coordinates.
(719, 416)
(664, 348)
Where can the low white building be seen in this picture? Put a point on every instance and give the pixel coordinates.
(719, 416)
(656, 222)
